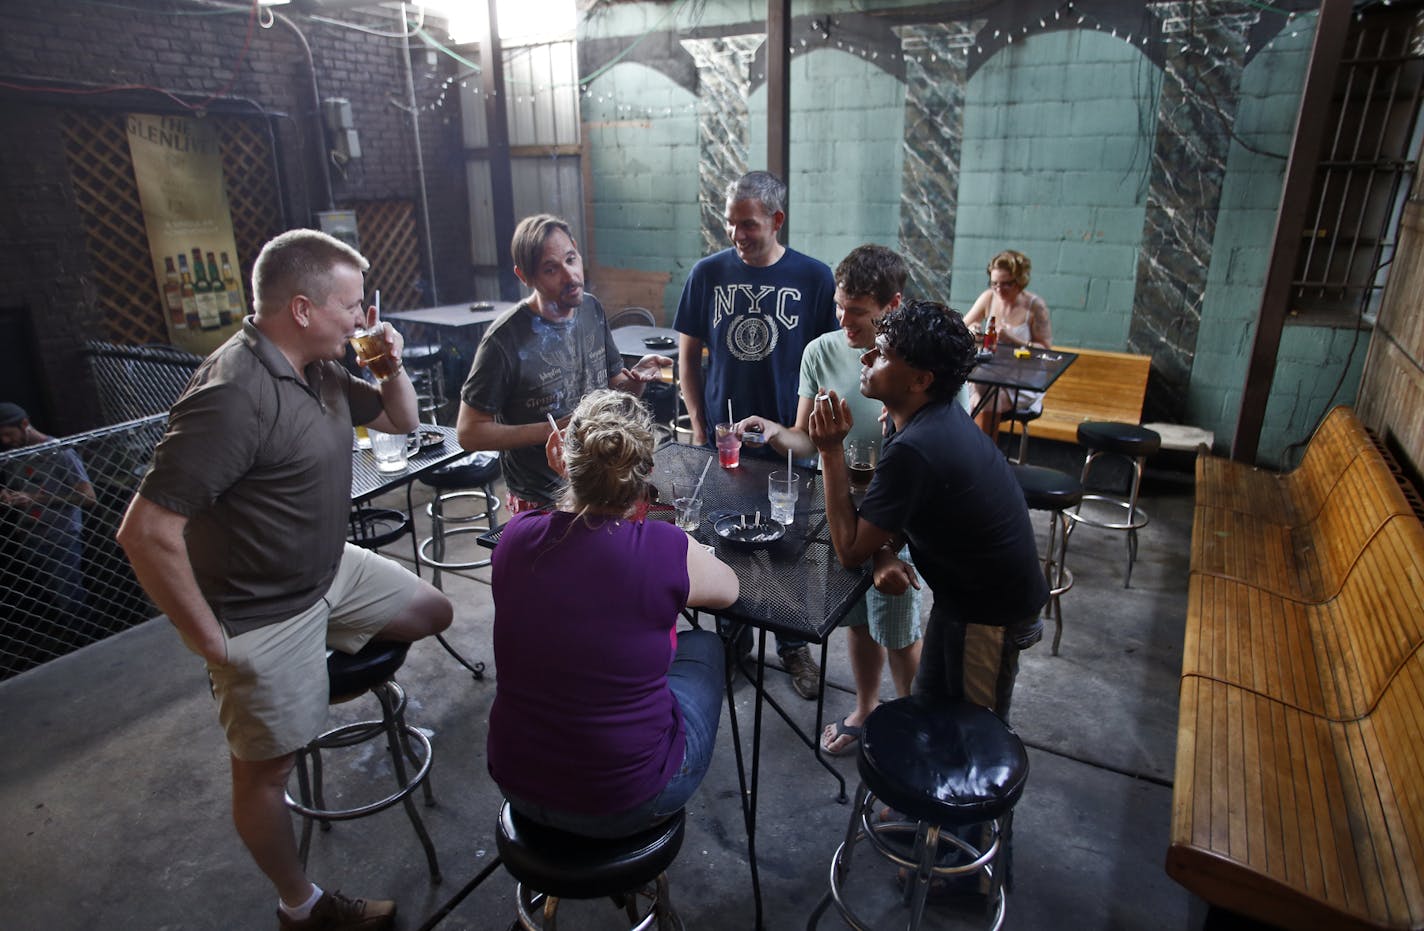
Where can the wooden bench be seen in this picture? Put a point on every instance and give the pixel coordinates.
(1299, 792)
(1099, 385)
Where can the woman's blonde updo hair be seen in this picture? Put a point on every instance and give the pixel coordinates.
(1015, 263)
(608, 451)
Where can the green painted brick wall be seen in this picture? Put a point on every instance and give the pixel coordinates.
(1312, 361)
(1054, 166)
(1058, 130)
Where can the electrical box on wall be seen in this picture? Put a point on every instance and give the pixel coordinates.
(345, 143)
(337, 111)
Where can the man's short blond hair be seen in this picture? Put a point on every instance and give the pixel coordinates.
(299, 262)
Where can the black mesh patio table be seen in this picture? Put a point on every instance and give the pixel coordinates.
(794, 586)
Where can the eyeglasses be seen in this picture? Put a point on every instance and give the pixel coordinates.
(1003, 285)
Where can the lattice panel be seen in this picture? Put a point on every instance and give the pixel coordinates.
(251, 191)
(386, 230)
(106, 195)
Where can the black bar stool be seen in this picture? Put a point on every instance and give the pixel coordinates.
(371, 669)
(1134, 443)
(1055, 492)
(372, 528)
(942, 766)
(469, 477)
(425, 363)
(1015, 418)
(548, 865)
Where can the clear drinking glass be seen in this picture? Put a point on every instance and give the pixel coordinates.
(861, 459)
(389, 450)
(687, 509)
(782, 489)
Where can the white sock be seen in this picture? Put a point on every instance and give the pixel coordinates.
(302, 911)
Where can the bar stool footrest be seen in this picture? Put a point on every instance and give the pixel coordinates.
(426, 560)
(1138, 523)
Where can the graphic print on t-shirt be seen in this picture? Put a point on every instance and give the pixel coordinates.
(758, 312)
(558, 365)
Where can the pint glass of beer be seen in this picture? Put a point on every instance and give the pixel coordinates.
(371, 348)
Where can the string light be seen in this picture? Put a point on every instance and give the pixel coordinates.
(1173, 39)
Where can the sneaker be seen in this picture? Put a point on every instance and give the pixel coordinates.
(805, 674)
(335, 912)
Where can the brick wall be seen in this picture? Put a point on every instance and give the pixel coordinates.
(195, 49)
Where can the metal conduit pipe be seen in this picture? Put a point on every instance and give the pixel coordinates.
(315, 90)
(419, 159)
(316, 108)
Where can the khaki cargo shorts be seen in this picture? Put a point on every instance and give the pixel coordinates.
(272, 693)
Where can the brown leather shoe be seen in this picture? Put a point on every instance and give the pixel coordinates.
(335, 912)
(805, 674)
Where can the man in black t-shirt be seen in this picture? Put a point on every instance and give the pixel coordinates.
(943, 487)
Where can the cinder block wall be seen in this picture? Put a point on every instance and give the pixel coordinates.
(189, 49)
(1060, 131)
(1055, 166)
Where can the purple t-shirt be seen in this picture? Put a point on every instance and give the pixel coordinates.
(583, 720)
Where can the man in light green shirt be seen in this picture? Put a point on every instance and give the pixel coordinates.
(868, 285)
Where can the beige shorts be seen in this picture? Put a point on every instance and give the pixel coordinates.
(272, 692)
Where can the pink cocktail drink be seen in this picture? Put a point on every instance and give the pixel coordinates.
(729, 447)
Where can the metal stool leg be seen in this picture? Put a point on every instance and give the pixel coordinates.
(1136, 518)
(392, 701)
(437, 533)
(1132, 520)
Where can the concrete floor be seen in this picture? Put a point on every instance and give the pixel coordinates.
(113, 781)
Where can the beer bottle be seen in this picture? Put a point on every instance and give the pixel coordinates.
(219, 293)
(991, 334)
(207, 310)
(173, 295)
(234, 290)
(188, 293)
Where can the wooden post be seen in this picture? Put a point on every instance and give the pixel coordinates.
(778, 93)
(497, 123)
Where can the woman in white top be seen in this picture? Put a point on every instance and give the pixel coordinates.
(1021, 319)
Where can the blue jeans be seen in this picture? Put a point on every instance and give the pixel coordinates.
(745, 638)
(696, 679)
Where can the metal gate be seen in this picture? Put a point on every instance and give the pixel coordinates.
(541, 100)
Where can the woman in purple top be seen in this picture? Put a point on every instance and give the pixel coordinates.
(599, 726)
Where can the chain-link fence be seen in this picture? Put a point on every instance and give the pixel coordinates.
(138, 381)
(64, 581)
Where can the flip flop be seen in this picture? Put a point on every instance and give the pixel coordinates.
(842, 730)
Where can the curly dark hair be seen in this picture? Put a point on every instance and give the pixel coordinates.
(872, 271)
(933, 338)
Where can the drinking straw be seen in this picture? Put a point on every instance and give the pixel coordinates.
(788, 461)
(729, 411)
(697, 492)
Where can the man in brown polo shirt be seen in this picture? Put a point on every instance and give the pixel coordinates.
(238, 534)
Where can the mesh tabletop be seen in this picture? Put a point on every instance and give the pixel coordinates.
(368, 482)
(1035, 373)
(794, 586)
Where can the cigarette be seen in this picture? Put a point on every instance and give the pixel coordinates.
(378, 302)
(553, 424)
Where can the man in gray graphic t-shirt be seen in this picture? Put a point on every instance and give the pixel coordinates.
(538, 360)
